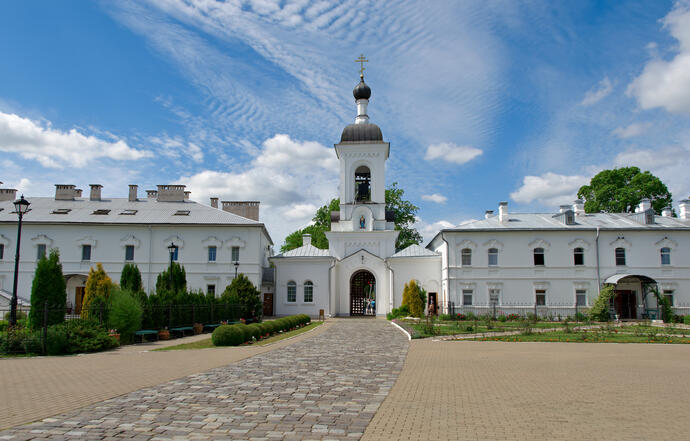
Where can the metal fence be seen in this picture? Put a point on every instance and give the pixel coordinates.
(25, 338)
(516, 310)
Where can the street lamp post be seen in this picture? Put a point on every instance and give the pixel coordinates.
(172, 248)
(21, 207)
(236, 264)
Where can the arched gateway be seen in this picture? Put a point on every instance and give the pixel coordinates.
(363, 293)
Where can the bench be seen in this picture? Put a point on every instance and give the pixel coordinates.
(143, 333)
(182, 330)
(212, 326)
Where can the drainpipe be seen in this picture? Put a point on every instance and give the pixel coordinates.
(148, 278)
(392, 276)
(443, 238)
(596, 241)
(330, 286)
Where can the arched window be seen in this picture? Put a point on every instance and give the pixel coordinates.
(666, 256)
(308, 292)
(493, 256)
(466, 257)
(539, 256)
(579, 256)
(291, 292)
(362, 183)
(620, 256)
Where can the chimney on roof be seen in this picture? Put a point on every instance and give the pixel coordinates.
(95, 192)
(7, 194)
(563, 208)
(150, 194)
(186, 195)
(214, 202)
(645, 204)
(667, 212)
(684, 207)
(503, 211)
(306, 239)
(171, 193)
(64, 192)
(133, 196)
(78, 192)
(579, 207)
(248, 209)
(488, 214)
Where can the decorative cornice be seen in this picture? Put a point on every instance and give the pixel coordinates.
(130, 240)
(539, 243)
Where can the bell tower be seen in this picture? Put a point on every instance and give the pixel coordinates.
(362, 153)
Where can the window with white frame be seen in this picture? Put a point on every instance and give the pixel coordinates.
(40, 251)
(129, 252)
(620, 256)
(668, 294)
(539, 257)
(86, 253)
(291, 292)
(212, 254)
(235, 254)
(211, 290)
(176, 253)
(494, 294)
(540, 297)
(493, 256)
(308, 292)
(581, 297)
(578, 256)
(2, 251)
(466, 257)
(665, 256)
(467, 297)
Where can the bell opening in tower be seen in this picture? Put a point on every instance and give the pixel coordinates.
(362, 184)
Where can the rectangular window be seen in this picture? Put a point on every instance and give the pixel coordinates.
(581, 297)
(466, 257)
(666, 256)
(235, 254)
(467, 297)
(539, 256)
(308, 292)
(2, 251)
(291, 292)
(493, 257)
(86, 252)
(579, 256)
(176, 253)
(669, 295)
(211, 254)
(129, 252)
(541, 297)
(620, 256)
(40, 251)
(493, 295)
(211, 290)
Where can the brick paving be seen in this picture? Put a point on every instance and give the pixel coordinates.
(537, 391)
(328, 386)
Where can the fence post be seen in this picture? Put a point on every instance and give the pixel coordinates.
(535, 311)
(45, 326)
(212, 317)
(169, 316)
(193, 314)
(493, 304)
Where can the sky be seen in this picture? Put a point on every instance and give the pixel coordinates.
(482, 101)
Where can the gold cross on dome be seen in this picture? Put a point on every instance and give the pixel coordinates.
(361, 60)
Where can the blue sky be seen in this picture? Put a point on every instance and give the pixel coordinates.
(481, 101)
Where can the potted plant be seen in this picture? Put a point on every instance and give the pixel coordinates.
(198, 328)
(114, 334)
(164, 334)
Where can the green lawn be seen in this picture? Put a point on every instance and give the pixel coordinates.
(207, 343)
(590, 336)
(478, 327)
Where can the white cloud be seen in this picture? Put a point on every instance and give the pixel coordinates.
(598, 93)
(458, 154)
(670, 164)
(429, 230)
(57, 149)
(631, 131)
(176, 147)
(287, 176)
(549, 188)
(663, 83)
(437, 198)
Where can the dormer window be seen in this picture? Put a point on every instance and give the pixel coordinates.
(61, 211)
(362, 184)
(182, 213)
(101, 211)
(128, 212)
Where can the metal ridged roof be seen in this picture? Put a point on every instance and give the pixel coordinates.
(148, 211)
(415, 251)
(547, 221)
(305, 251)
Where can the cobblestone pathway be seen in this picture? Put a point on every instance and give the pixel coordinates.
(325, 387)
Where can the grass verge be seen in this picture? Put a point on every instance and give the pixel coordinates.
(207, 343)
(587, 337)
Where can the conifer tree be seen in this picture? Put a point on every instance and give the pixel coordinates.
(48, 286)
(98, 288)
(242, 290)
(130, 280)
(413, 299)
(179, 280)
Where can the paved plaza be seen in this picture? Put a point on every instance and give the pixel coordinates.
(352, 379)
(328, 386)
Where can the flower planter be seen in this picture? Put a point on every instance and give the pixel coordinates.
(164, 335)
(198, 328)
(115, 336)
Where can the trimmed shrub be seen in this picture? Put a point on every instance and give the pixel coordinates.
(21, 315)
(283, 324)
(78, 336)
(264, 329)
(3, 325)
(402, 311)
(124, 315)
(253, 331)
(228, 335)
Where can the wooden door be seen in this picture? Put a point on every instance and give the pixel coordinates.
(78, 299)
(268, 304)
(433, 304)
(626, 306)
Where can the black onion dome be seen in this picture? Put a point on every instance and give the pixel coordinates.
(362, 133)
(361, 90)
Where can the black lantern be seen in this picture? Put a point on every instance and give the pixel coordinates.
(172, 248)
(236, 264)
(21, 207)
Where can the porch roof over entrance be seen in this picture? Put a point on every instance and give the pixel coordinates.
(614, 279)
